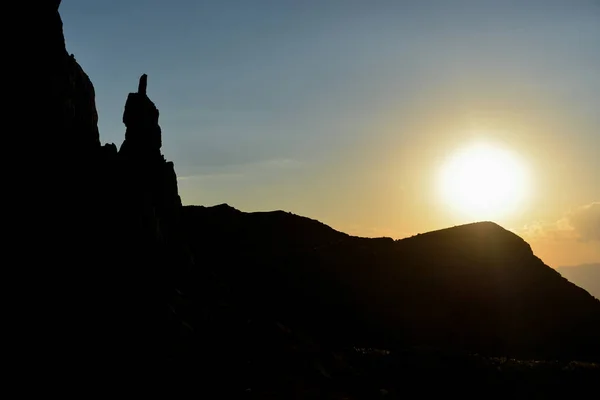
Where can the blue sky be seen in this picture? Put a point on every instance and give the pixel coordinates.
(320, 107)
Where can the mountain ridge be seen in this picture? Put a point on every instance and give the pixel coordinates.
(477, 283)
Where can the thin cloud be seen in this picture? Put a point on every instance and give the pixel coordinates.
(581, 223)
(585, 221)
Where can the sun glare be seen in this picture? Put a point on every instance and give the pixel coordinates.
(483, 181)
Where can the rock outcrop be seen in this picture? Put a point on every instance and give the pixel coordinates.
(143, 134)
(99, 239)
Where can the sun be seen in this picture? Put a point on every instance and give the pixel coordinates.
(483, 181)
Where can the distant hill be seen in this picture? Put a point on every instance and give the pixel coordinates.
(475, 287)
(585, 275)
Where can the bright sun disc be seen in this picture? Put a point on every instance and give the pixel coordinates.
(483, 182)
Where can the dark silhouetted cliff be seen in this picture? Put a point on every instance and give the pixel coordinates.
(98, 244)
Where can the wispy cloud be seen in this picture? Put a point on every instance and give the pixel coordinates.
(585, 221)
(581, 223)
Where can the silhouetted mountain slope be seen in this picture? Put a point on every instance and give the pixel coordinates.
(267, 304)
(586, 275)
(283, 230)
(476, 287)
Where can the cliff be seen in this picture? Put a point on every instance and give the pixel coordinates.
(98, 243)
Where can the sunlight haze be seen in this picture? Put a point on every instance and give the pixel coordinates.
(484, 181)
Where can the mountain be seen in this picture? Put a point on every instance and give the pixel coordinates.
(585, 275)
(108, 277)
(475, 287)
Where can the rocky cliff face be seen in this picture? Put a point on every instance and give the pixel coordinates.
(100, 226)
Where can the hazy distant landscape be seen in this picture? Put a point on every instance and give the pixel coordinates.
(587, 276)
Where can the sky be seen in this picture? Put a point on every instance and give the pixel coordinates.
(346, 111)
